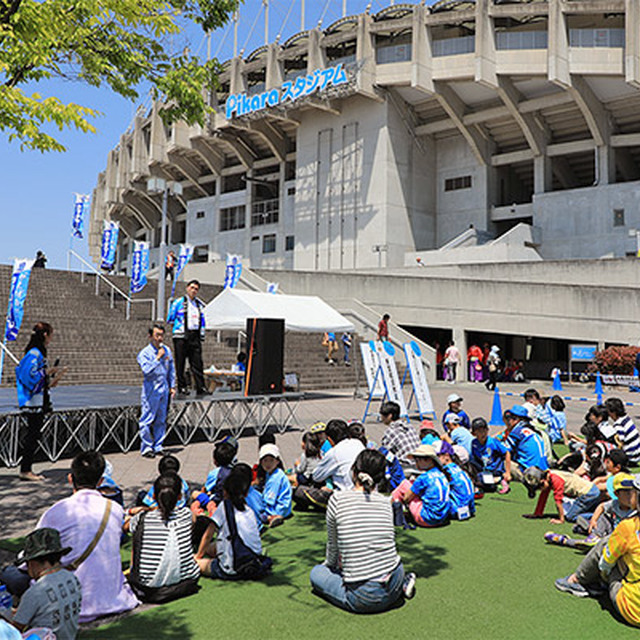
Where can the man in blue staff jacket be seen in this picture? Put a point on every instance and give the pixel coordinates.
(158, 386)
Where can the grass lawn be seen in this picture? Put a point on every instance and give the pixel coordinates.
(490, 578)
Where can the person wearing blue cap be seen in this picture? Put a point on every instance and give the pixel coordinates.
(523, 442)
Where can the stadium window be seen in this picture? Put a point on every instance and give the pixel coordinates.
(291, 191)
(255, 238)
(201, 253)
(618, 217)
(232, 218)
(265, 212)
(269, 243)
(455, 184)
(199, 214)
(288, 243)
(180, 232)
(290, 170)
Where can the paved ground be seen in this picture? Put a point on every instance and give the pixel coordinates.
(21, 504)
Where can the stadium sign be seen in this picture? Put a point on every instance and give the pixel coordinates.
(240, 104)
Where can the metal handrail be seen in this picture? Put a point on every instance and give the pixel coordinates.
(113, 288)
(6, 350)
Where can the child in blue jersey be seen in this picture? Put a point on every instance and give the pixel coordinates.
(454, 404)
(524, 444)
(276, 491)
(428, 497)
(555, 419)
(224, 454)
(488, 457)
(463, 504)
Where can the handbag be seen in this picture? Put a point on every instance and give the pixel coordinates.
(247, 564)
(155, 595)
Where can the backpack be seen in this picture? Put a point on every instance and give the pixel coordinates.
(247, 564)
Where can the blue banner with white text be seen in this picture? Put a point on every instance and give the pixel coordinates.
(17, 296)
(232, 271)
(139, 266)
(185, 255)
(80, 208)
(109, 245)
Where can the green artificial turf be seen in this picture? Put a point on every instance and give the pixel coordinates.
(490, 577)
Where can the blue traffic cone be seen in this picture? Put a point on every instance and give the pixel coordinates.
(496, 410)
(557, 385)
(598, 388)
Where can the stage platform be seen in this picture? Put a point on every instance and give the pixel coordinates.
(106, 418)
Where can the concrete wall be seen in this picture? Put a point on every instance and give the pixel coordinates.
(543, 309)
(579, 222)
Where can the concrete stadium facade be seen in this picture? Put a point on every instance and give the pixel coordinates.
(494, 131)
(483, 113)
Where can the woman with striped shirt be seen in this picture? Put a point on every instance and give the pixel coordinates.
(362, 571)
(162, 554)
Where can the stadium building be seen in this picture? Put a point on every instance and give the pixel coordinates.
(465, 132)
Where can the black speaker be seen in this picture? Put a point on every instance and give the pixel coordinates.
(265, 356)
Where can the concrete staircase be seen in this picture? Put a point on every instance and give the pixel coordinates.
(99, 345)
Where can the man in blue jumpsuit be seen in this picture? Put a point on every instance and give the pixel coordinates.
(158, 386)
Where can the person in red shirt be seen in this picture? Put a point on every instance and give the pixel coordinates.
(383, 327)
(475, 356)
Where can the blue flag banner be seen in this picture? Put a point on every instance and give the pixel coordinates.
(80, 208)
(185, 255)
(17, 296)
(232, 271)
(272, 287)
(109, 244)
(139, 266)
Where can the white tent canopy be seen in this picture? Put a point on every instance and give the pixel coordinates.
(232, 307)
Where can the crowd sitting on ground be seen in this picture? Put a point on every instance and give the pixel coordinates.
(427, 478)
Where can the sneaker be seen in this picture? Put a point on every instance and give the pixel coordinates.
(409, 586)
(29, 476)
(574, 588)
(149, 454)
(589, 542)
(504, 487)
(558, 538)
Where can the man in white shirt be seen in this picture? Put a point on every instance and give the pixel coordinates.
(91, 525)
(337, 462)
(187, 315)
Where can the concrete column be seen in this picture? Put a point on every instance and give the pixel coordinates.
(421, 54)
(460, 339)
(365, 54)
(315, 53)
(274, 71)
(558, 52)
(237, 82)
(606, 165)
(485, 46)
(632, 43)
(542, 174)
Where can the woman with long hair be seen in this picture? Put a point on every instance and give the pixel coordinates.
(163, 567)
(362, 571)
(33, 381)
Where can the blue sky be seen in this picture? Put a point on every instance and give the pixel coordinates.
(37, 194)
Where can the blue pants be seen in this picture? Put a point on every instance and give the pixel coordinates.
(153, 424)
(368, 596)
(584, 504)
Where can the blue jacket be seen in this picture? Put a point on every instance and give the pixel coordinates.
(277, 494)
(31, 374)
(177, 314)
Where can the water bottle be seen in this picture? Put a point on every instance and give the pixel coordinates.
(6, 602)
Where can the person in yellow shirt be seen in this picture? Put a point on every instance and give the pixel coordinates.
(613, 565)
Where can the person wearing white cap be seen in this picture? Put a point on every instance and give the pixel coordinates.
(277, 492)
(493, 364)
(454, 405)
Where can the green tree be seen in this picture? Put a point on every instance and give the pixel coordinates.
(124, 44)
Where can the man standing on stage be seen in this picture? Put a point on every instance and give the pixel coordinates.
(187, 316)
(158, 386)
